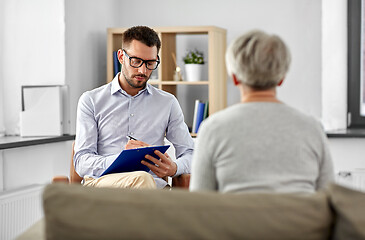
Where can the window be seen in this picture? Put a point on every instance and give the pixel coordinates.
(356, 64)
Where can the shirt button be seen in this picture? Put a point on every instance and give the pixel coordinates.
(131, 133)
(131, 114)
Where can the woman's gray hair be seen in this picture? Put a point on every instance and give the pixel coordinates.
(258, 60)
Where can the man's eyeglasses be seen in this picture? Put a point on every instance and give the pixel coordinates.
(138, 62)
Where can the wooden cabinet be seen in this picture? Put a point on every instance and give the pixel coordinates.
(217, 76)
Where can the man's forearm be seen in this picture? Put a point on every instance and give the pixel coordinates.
(92, 165)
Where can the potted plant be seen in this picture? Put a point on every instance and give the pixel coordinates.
(194, 61)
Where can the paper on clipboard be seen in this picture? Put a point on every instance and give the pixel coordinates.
(130, 160)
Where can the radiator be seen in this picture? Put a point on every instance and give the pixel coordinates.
(353, 179)
(19, 209)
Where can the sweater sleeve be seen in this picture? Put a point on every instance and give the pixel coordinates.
(203, 174)
(326, 172)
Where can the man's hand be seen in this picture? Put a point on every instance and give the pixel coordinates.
(164, 167)
(131, 144)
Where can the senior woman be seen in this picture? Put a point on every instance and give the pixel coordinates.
(260, 144)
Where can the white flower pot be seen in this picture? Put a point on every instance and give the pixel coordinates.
(193, 72)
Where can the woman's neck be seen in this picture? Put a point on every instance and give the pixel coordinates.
(250, 95)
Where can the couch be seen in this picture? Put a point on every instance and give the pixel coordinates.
(77, 212)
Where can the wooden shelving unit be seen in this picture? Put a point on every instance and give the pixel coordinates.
(217, 76)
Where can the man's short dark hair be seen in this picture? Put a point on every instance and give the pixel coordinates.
(144, 34)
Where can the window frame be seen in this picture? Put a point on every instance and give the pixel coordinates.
(355, 61)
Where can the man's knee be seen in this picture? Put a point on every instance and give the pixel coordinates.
(142, 179)
(138, 179)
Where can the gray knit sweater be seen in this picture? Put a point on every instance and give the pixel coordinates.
(261, 147)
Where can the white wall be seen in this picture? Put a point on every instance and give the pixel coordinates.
(34, 164)
(33, 51)
(334, 64)
(38, 49)
(347, 153)
(2, 127)
(297, 22)
(86, 24)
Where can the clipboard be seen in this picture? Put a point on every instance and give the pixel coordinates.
(130, 160)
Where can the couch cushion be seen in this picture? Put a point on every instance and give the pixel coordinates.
(35, 232)
(77, 212)
(349, 206)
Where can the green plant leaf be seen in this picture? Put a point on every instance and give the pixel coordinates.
(194, 57)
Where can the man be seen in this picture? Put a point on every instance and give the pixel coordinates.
(129, 106)
(260, 144)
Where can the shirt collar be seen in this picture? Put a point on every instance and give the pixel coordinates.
(115, 87)
(149, 88)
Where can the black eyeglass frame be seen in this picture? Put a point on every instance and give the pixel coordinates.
(142, 61)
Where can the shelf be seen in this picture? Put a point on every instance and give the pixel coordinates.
(17, 141)
(346, 133)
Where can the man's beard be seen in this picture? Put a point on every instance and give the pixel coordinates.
(130, 79)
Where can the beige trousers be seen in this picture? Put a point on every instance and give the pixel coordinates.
(137, 179)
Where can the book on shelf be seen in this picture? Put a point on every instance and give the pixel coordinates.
(194, 116)
(116, 63)
(200, 113)
(206, 110)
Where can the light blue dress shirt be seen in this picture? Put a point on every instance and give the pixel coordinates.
(106, 115)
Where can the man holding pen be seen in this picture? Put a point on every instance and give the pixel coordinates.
(129, 106)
